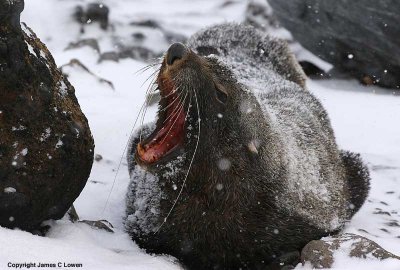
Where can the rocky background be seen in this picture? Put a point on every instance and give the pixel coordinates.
(360, 38)
(104, 50)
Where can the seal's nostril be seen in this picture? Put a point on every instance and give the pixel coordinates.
(175, 52)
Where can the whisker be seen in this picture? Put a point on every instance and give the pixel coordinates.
(157, 59)
(176, 119)
(151, 76)
(143, 69)
(142, 110)
(180, 96)
(181, 104)
(189, 105)
(147, 105)
(190, 165)
(122, 157)
(172, 92)
(171, 103)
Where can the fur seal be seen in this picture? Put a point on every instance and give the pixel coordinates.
(241, 167)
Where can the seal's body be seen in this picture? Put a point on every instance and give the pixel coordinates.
(242, 166)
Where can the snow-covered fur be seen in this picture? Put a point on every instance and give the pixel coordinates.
(267, 176)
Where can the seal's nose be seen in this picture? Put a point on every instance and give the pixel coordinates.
(175, 52)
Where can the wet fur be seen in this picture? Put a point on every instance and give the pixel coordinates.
(254, 218)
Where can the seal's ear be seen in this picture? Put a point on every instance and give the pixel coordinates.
(284, 62)
(221, 94)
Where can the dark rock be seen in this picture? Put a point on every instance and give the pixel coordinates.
(137, 52)
(10, 11)
(320, 252)
(227, 4)
(393, 223)
(72, 214)
(384, 230)
(365, 231)
(383, 167)
(97, 182)
(46, 148)
(312, 70)
(109, 56)
(98, 12)
(359, 38)
(80, 15)
(98, 157)
(77, 64)
(138, 36)
(260, 16)
(95, 12)
(99, 224)
(380, 212)
(173, 37)
(363, 248)
(146, 23)
(90, 42)
(170, 36)
(123, 51)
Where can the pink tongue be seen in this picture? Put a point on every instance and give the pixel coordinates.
(167, 138)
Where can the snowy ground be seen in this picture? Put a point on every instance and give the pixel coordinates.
(365, 120)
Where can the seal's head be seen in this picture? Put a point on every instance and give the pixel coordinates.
(193, 87)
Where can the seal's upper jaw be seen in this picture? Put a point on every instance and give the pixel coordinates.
(169, 134)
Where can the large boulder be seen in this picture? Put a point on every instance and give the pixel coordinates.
(361, 38)
(46, 148)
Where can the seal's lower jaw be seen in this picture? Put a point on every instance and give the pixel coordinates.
(169, 134)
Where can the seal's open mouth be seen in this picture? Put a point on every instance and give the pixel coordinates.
(169, 133)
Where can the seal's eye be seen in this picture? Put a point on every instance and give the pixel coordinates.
(207, 50)
(221, 94)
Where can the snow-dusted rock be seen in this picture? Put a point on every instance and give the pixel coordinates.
(320, 253)
(46, 148)
(259, 14)
(93, 12)
(359, 38)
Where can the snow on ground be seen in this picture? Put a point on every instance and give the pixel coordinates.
(365, 120)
